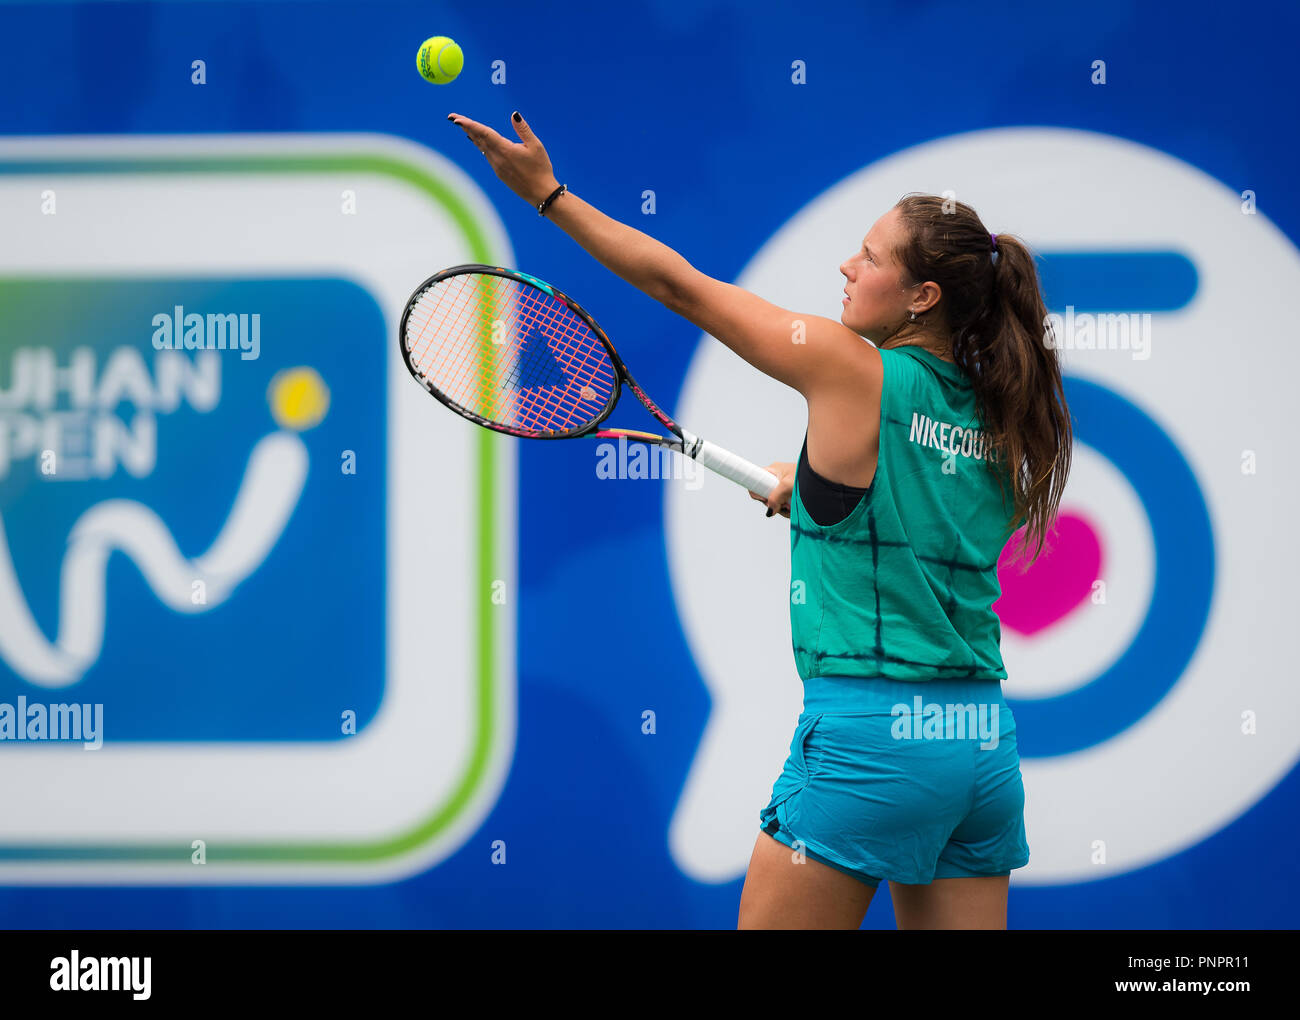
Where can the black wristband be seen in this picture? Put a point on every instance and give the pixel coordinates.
(543, 206)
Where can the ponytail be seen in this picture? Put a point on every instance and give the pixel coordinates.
(993, 304)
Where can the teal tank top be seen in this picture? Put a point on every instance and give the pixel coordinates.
(904, 586)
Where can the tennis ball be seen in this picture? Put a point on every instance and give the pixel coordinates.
(439, 60)
(299, 398)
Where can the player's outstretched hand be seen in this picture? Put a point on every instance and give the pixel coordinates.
(778, 501)
(523, 166)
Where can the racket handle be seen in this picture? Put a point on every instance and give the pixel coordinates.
(728, 465)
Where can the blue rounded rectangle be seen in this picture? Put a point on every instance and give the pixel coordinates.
(258, 466)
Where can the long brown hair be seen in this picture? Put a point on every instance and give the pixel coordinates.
(993, 304)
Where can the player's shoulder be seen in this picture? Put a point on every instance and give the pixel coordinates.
(904, 363)
(896, 367)
(842, 359)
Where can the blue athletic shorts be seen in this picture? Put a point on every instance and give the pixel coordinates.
(904, 781)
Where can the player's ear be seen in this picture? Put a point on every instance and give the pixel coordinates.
(927, 296)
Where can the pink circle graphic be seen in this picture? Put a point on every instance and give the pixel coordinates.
(1057, 584)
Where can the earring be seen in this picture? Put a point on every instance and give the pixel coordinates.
(913, 319)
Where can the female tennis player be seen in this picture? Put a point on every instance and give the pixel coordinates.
(925, 450)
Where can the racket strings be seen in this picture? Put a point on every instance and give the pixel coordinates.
(580, 354)
(509, 353)
(449, 360)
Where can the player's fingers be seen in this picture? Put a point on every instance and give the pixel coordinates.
(778, 497)
(464, 123)
(480, 134)
(522, 129)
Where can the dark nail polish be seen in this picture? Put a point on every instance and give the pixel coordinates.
(515, 117)
(770, 512)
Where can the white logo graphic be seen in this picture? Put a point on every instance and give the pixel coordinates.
(412, 784)
(1218, 382)
(272, 483)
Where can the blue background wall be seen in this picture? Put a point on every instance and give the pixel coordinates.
(693, 100)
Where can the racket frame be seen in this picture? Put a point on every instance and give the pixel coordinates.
(591, 427)
(725, 463)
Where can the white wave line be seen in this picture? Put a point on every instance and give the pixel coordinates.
(271, 487)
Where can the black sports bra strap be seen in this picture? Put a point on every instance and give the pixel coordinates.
(827, 502)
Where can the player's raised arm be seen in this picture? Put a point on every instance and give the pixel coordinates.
(807, 352)
(810, 353)
(525, 168)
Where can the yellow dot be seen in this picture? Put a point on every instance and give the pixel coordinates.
(299, 398)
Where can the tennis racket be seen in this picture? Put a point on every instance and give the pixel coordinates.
(515, 355)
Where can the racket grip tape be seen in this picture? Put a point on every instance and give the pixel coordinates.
(728, 465)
